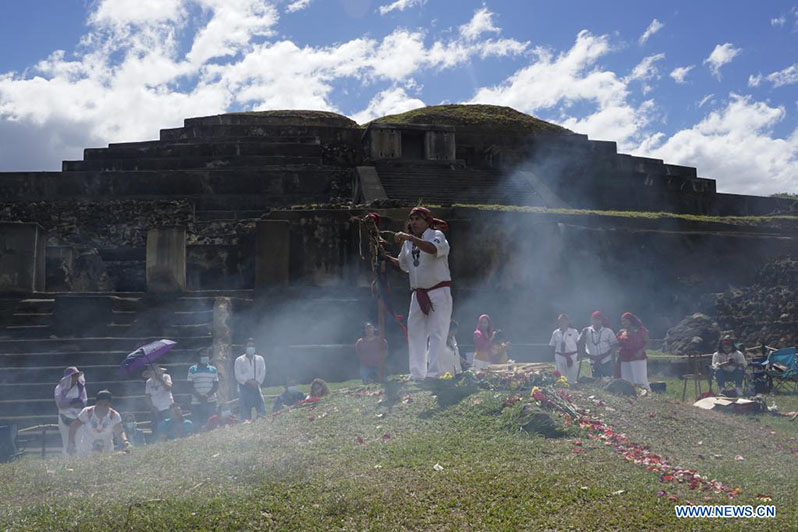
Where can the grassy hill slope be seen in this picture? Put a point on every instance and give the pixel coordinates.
(354, 463)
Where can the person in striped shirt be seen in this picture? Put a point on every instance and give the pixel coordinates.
(204, 380)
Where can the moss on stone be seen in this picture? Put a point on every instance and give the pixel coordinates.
(483, 116)
(305, 117)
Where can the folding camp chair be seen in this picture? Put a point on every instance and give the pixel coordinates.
(781, 367)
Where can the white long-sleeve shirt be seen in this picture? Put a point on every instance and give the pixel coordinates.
(425, 269)
(736, 357)
(247, 368)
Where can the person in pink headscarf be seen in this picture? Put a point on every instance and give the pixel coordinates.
(632, 363)
(483, 342)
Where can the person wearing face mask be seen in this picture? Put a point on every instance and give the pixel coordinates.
(204, 381)
(250, 371)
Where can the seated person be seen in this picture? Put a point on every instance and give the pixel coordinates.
(174, 426)
(729, 364)
(318, 389)
(224, 419)
(134, 434)
(290, 396)
(499, 349)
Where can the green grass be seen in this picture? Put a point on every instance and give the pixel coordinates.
(485, 116)
(291, 473)
(733, 220)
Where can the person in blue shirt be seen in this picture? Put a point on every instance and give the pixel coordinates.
(174, 426)
(204, 379)
(290, 396)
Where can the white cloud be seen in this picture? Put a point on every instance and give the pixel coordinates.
(555, 83)
(778, 21)
(652, 28)
(297, 5)
(129, 77)
(736, 146)
(706, 99)
(787, 76)
(723, 54)
(679, 74)
(387, 102)
(123, 12)
(399, 5)
(481, 22)
(647, 68)
(233, 24)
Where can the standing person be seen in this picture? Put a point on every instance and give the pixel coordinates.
(632, 363)
(101, 423)
(451, 361)
(250, 371)
(600, 344)
(483, 341)
(204, 381)
(367, 349)
(425, 257)
(729, 364)
(158, 390)
(70, 398)
(564, 341)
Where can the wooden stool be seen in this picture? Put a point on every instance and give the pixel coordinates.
(694, 364)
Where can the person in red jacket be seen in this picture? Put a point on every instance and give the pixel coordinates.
(632, 363)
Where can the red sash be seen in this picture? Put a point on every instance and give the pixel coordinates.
(422, 296)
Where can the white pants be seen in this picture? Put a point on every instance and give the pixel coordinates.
(636, 372)
(561, 365)
(427, 333)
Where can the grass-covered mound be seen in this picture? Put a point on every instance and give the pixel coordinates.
(477, 115)
(361, 460)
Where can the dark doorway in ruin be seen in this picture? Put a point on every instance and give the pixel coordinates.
(412, 144)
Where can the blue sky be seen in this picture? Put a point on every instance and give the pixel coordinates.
(711, 84)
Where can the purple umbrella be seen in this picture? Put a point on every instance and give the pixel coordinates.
(145, 355)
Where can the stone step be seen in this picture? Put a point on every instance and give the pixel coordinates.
(98, 372)
(287, 139)
(181, 163)
(76, 345)
(81, 358)
(299, 180)
(35, 407)
(263, 131)
(31, 318)
(205, 149)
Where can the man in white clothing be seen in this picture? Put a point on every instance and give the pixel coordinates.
(250, 371)
(600, 344)
(564, 341)
(158, 390)
(425, 258)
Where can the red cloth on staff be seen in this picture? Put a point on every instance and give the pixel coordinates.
(423, 297)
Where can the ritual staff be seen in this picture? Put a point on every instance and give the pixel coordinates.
(632, 363)
(102, 423)
(70, 398)
(729, 364)
(425, 257)
(250, 372)
(599, 343)
(564, 341)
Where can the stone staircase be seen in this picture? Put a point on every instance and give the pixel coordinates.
(448, 183)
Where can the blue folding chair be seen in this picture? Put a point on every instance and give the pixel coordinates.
(781, 368)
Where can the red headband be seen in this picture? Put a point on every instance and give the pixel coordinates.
(426, 214)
